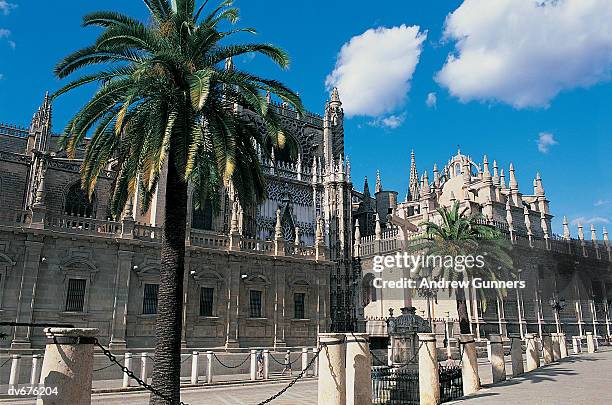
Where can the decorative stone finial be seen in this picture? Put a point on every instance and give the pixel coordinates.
(319, 232)
(580, 231)
(527, 220)
(566, 229)
(593, 233)
(378, 187)
(278, 229)
(378, 229)
(297, 236)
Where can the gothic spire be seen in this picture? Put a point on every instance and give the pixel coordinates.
(378, 187)
(366, 188)
(413, 188)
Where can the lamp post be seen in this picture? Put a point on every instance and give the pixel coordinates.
(557, 305)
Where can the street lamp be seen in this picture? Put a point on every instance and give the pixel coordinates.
(557, 305)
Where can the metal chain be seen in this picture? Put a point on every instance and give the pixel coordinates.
(226, 366)
(188, 357)
(131, 374)
(291, 363)
(103, 368)
(7, 360)
(300, 375)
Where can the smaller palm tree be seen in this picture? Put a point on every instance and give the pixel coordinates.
(458, 234)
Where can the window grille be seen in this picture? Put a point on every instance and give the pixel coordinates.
(206, 301)
(149, 304)
(75, 298)
(298, 305)
(255, 304)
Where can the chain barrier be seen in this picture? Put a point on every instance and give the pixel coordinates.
(131, 374)
(7, 360)
(291, 363)
(300, 375)
(103, 368)
(226, 366)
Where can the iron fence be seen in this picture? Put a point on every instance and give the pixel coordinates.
(400, 386)
(395, 386)
(451, 383)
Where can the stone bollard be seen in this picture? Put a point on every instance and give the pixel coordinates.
(209, 367)
(547, 353)
(315, 365)
(15, 371)
(332, 370)
(36, 366)
(556, 346)
(469, 364)
(498, 364)
(253, 365)
(266, 361)
(144, 366)
(68, 365)
(389, 354)
(563, 345)
(429, 375)
(195, 367)
(532, 352)
(304, 359)
(358, 369)
(596, 340)
(576, 344)
(128, 364)
(590, 342)
(516, 354)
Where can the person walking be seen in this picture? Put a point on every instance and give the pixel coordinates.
(260, 364)
(287, 364)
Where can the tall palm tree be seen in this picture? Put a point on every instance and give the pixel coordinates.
(459, 234)
(167, 106)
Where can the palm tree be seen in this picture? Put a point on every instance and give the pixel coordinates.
(167, 106)
(459, 234)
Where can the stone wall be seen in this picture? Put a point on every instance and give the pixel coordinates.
(41, 261)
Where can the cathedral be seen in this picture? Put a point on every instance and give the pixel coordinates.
(278, 273)
(275, 274)
(567, 279)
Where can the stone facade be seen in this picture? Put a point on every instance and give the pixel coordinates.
(275, 274)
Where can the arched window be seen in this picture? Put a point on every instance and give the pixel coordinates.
(78, 203)
(202, 217)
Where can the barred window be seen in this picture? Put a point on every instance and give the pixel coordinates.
(255, 304)
(75, 298)
(149, 303)
(298, 305)
(206, 301)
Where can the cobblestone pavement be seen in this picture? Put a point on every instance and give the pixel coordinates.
(577, 380)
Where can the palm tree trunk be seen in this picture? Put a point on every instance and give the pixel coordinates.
(464, 320)
(167, 365)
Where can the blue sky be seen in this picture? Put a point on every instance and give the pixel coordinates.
(520, 73)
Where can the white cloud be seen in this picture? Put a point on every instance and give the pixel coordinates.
(601, 203)
(4, 33)
(545, 141)
(432, 100)
(392, 121)
(1, 76)
(590, 220)
(524, 52)
(373, 70)
(6, 7)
